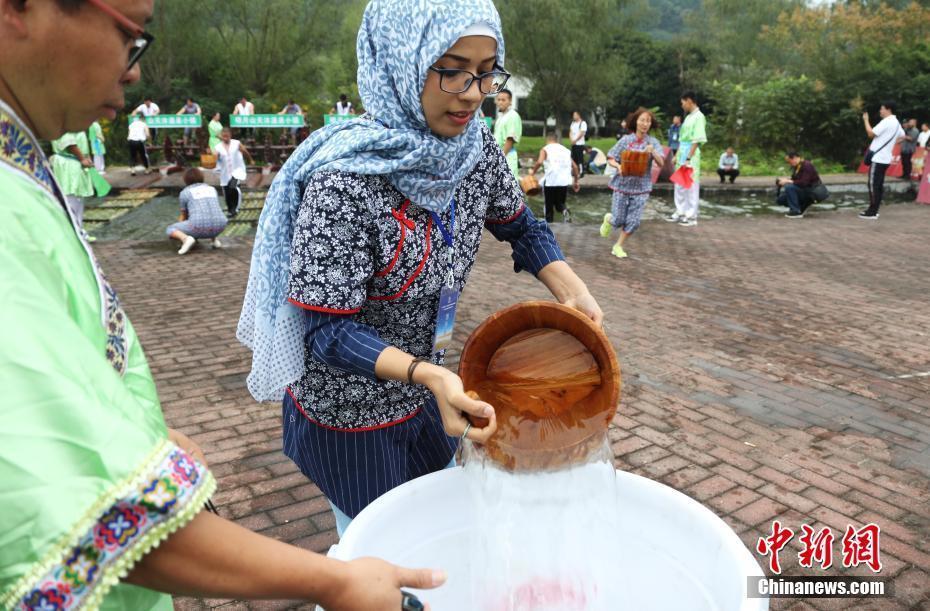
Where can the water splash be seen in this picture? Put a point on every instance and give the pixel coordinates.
(544, 539)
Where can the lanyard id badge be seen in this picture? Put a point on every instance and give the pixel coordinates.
(449, 295)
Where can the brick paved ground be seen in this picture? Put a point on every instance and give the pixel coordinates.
(763, 364)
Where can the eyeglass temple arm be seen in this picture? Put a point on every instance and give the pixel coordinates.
(123, 20)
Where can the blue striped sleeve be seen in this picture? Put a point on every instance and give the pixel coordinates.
(338, 341)
(534, 246)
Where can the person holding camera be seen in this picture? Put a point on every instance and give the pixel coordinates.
(884, 136)
(802, 189)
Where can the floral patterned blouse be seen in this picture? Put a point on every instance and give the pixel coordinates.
(365, 254)
(633, 185)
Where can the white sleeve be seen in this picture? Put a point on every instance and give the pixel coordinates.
(881, 128)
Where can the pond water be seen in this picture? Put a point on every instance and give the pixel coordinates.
(149, 218)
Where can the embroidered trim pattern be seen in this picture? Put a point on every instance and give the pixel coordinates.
(19, 150)
(164, 495)
(115, 323)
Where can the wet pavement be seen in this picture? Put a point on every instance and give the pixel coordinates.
(772, 369)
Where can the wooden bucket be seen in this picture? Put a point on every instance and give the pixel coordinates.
(530, 185)
(634, 163)
(553, 379)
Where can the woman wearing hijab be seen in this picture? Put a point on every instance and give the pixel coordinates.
(368, 234)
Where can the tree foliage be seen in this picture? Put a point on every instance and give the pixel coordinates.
(270, 51)
(770, 73)
(844, 59)
(565, 49)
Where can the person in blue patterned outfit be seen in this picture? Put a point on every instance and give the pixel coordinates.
(363, 228)
(201, 215)
(630, 192)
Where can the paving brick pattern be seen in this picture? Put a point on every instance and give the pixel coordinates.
(762, 366)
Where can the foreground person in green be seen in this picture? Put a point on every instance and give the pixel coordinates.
(100, 503)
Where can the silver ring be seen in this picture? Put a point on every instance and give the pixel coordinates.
(465, 432)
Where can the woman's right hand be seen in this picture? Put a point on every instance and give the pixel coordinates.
(454, 403)
(370, 584)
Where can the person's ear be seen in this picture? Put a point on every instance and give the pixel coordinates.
(13, 17)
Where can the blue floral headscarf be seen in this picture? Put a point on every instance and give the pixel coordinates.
(397, 42)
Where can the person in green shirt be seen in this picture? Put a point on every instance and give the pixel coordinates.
(508, 128)
(692, 135)
(102, 503)
(215, 128)
(98, 146)
(70, 160)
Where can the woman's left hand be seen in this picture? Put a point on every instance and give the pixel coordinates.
(188, 445)
(455, 405)
(587, 305)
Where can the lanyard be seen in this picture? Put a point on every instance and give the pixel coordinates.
(448, 237)
(446, 233)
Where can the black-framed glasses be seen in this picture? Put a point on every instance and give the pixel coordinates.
(458, 81)
(141, 40)
(139, 46)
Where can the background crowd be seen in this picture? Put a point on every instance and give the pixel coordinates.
(773, 76)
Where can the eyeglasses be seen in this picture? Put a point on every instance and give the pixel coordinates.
(141, 40)
(459, 81)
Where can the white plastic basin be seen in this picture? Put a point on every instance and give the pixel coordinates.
(675, 555)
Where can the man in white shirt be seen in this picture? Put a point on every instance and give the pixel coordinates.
(137, 137)
(244, 107)
(884, 136)
(147, 108)
(343, 106)
(561, 172)
(728, 165)
(576, 133)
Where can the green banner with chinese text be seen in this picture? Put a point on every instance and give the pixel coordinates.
(261, 121)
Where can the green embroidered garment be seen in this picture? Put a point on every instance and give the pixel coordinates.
(89, 482)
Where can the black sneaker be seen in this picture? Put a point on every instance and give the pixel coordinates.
(794, 215)
(869, 216)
